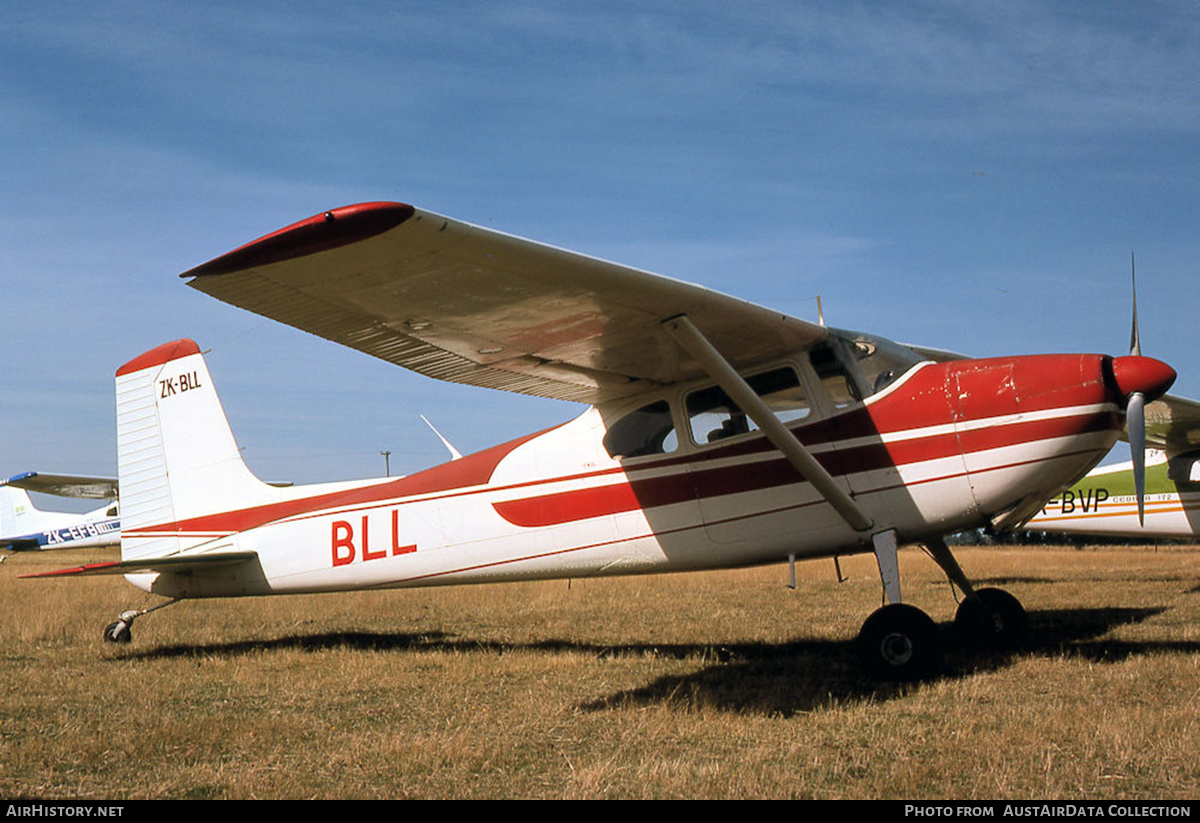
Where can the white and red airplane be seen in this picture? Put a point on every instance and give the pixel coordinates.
(718, 433)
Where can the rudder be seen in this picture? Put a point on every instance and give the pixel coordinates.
(176, 456)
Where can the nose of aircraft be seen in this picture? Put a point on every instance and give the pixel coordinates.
(1145, 375)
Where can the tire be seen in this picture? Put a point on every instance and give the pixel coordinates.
(899, 643)
(992, 619)
(118, 632)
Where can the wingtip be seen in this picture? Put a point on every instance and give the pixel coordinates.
(327, 230)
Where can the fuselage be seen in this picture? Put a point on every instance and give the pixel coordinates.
(938, 448)
(44, 530)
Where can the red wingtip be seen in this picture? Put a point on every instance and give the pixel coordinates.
(327, 230)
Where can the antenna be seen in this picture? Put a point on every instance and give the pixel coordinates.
(455, 454)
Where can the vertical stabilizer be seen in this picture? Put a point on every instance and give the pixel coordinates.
(178, 463)
(17, 513)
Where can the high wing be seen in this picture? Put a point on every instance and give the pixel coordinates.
(471, 305)
(1173, 424)
(65, 485)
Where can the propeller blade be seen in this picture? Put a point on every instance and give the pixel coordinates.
(1135, 421)
(1135, 344)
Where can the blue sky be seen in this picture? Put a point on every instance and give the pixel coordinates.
(972, 176)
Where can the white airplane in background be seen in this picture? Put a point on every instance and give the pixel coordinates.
(718, 433)
(24, 527)
(1104, 502)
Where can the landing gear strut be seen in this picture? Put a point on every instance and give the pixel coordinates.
(120, 631)
(900, 642)
(987, 618)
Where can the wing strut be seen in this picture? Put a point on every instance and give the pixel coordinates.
(718, 368)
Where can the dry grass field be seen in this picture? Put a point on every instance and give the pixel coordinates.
(718, 685)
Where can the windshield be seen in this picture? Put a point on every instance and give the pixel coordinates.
(863, 363)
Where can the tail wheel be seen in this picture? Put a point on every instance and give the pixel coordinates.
(993, 618)
(118, 632)
(900, 642)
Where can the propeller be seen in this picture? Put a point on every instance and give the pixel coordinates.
(1137, 379)
(1135, 343)
(1135, 422)
(1135, 410)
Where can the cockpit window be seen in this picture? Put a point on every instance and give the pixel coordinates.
(713, 416)
(881, 361)
(831, 370)
(649, 430)
(853, 366)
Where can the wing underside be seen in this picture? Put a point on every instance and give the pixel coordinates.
(65, 485)
(467, 304)
(1173, 425)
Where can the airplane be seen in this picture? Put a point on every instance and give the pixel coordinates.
(717, 433)
(24, 527)
(1104, 502)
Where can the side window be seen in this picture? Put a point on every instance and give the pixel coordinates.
(649, 430)
(713, 416)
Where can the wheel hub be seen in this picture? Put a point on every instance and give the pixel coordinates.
(896, 648)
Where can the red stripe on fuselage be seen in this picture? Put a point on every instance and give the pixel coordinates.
(473, 470)
(1031, 384)
(702, 483)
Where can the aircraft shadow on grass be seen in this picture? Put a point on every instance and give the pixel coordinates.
(766, 678)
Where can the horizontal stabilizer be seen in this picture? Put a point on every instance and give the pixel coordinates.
(20, 544)
(177, 563)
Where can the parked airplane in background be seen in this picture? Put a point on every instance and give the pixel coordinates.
(1104, 502)
(719, 433)
(25, 527)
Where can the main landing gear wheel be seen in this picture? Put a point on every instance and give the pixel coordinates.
(900, 642)
(993, 618)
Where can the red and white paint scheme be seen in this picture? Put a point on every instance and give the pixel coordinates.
(718, 433)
